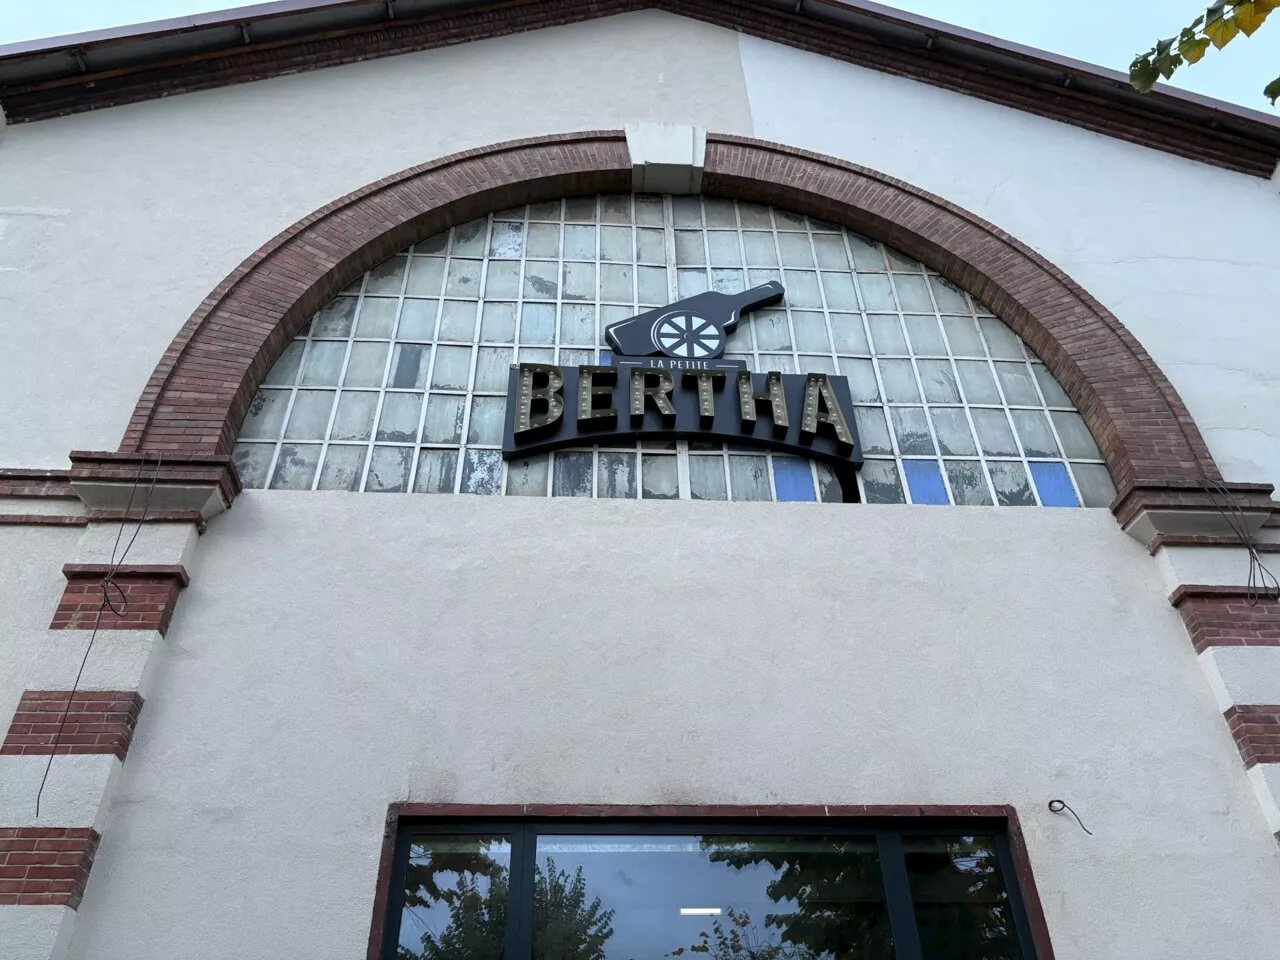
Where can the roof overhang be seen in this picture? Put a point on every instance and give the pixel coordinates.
(63, 75)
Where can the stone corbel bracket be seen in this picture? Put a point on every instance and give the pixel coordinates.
(119, 486)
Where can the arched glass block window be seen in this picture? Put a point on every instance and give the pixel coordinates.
(398, 384)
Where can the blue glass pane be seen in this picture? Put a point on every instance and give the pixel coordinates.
(606, 358)
(925, 480)
(792, 478)
(1054, 485)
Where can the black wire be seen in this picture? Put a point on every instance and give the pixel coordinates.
(107, 582)
(1057, 806)
(1261, 581)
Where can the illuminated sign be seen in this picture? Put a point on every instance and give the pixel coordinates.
(668, 380)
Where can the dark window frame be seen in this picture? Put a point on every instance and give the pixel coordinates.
(887, 824)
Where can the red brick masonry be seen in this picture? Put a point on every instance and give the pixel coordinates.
(1256, 728)
(96, 721)
(45, 865)
(1218, 616)
(141, 597)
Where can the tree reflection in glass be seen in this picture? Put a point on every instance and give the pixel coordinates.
(455, 898)
(961, 906)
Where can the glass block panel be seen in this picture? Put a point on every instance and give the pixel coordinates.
(1053, 485)
(912, 430)
(482, 472)
(252, 462)
(968, 483)
(1077, 441)
(994, 434)
(528, 477)
(749, 478)
(423, 343)
(881, 483)
(924, 479)
(1095, 484)
(1012, 487)
(616, 475)
(343, 468)
(707, 478)
(437, 470)
(296, 466)
(572, 473)
(660, 475)
(309, 419)
(389, 469)
(335, 319)
(1033, 431)
(793, 479)
(952, 428)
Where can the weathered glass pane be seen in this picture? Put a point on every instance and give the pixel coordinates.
(543, 240)
(850, 336)
(458, 320)
(659, 476)
(616, 476)
(492, 367)
(540, 279)
(811, 332)
(469, 239)
(963, 337)
(899, 381)
(968, 483)
(418, 320)
(926, 336)
(507, 241)
(1054, 395)
(771, 329)
(399, 418)
(913, 293)
(528, 477)
(881, 483)
(354, 419)
(939, 381)
(795, 250)
(482, 472)
(367, 364)
(252, 462)
(872, 430)
(831, 252)
(954, 436)
(343, 466)
(409, 365)
(802, 288)
(266, 415)
(335, 319)
(1095, 484)
(1002, 342)
(486, 420)
(579, 242)
(886, 333)
(617, 283)
(616, 244)
(1033, 431)
(538, 323)
(979, 385)
(912, 431)
(1077, 441)
(387, 277)
(862, 380)
(1019, 389)
(443, 423)
(707, 478)
(1010, 480)
(839, 291)
(650, 246)
(690, 250)
(502, 279)
(377, 317)
(876, 293)
(309, 418)
(452, 368)
(426, 274)
(749, 478)
(323, 364)
(498, 323)
(436, 470)
(948, 296)
(296, 466)
(994, 433)
(572, 474)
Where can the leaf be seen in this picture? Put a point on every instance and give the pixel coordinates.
(1192, 48)
(1143, 74)
(1220, 29)
(1250, 16)
(1167, 64)
(1272, 91)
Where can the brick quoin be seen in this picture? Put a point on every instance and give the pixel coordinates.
(88, 722)
(198, 395)
(45, 866)
(1256, 728)
(1227, 617)
(138, 598)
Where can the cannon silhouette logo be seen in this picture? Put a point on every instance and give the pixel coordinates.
(669, 380)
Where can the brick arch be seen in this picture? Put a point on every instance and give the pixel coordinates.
(194, 403)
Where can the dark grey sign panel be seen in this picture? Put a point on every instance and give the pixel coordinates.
(808, 415)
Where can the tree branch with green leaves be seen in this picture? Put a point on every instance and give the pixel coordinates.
(1217, 26)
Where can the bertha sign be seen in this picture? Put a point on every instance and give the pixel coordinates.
(669, 381)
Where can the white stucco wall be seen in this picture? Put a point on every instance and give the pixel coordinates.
(1182, 252)
(114, 225)
(336, 652)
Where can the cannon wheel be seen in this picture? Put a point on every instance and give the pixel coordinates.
(688, 336)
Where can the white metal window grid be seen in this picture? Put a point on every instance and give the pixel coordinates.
(682, 279)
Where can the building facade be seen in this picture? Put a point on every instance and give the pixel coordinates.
(1000, 679)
